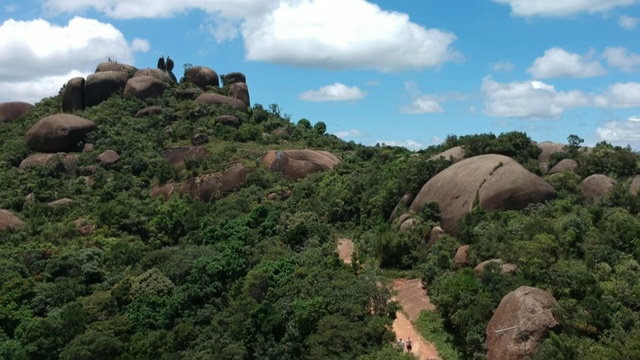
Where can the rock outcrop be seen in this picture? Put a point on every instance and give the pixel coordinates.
(13, 110)
(58, 133)
(177, 155)
(233, 77)
(73, 95)
(68, 161)
(114, 66)
(187, 94)
(229, 120)
(504, 268)
(635, 185)
(454, 154)
(520, 324)
(240, 91)
(564, 166)
(9, 221)
(100, 86)
(142, 87)
(151, 110)
(155, 73)
(219, 100)
(595, 187)
(548, 149)
(202, 77)
(108, 157)
(493, 181)
(296, 164)
(462, 255)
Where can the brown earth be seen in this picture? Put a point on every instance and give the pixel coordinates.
(345, 250)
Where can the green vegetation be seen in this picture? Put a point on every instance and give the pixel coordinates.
(244, 277)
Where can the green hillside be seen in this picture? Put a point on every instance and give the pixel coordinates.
(249, 276)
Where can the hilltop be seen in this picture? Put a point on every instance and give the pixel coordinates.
(146, 217)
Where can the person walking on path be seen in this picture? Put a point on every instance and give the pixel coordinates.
(408, 344)
(400, 345)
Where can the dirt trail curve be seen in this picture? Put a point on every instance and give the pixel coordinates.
(413, 299)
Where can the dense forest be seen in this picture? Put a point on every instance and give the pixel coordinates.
(254, 276)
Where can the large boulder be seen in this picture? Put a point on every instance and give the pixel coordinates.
(240, 91)
(13, 110)
(229, 120)
(520, 324)
(462, 255)
(142, 87)
(635, 185)
(108, 157)
(187, 94)
(493, 181)
(58, 133)
(155, 73)
(114, 66)
(504, 268)
(235, 177)
(166, 191)
(9, 221)
(202, 77)
(73, 95)
(233, 77)
(204, 187)
(100, 86)
(177, 155)
(454, 154)
(151, 110)
(565, 165)
(219, 100)
(596, 186)
(296, 164)
(548, 149)
(68, 161)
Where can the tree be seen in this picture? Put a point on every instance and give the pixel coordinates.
(320, 128)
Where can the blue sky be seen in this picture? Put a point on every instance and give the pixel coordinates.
(401, 72)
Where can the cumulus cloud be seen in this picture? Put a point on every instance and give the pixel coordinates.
(620, 58)
(624, 132)
(504, 66)
(34, 90)
(421, 103)
(620, 95)
(409, 144)
(558, 62)
(559, 8)
(348, 133)
(333, 92)
(528, 99)
(333, 34)
(31, 51)
(628, 22)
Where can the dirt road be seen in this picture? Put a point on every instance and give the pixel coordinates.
(413, 299)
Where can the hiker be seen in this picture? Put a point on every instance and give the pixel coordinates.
(400, 344)
(408, 344)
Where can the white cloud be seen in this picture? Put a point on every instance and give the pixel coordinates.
(334, 92)
(334, 34)
(421, 103)
(558, 62)
(10, 8)
(345, 34)
(504, 66)
(34, 90)
(221, 28)
(559, 8)
(620, 95)
(625, 132)
(528, 99)
(409, 144)
(127, 9)
(628, 22)
(620, 57)
(349, 133)
(38, 54)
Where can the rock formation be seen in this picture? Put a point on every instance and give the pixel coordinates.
(493, 181)
(13, 110)
(100, 86)
(564, 165)
(115, 66)
(219, 100)
(232, 78)
(202, 77)
(596, 186)
(296, 164)
(108, 157)
(9, 221)
(68, 161)
(454, 154)
(58, 133)
(240, 91)
(142, 87)
(176, 156)
(73, 95)
(548, 149)
(520, 324)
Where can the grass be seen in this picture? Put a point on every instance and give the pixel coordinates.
(429, 325)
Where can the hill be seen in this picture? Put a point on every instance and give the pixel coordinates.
(170, 219)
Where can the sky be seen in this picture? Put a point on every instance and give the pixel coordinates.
(399, 72)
